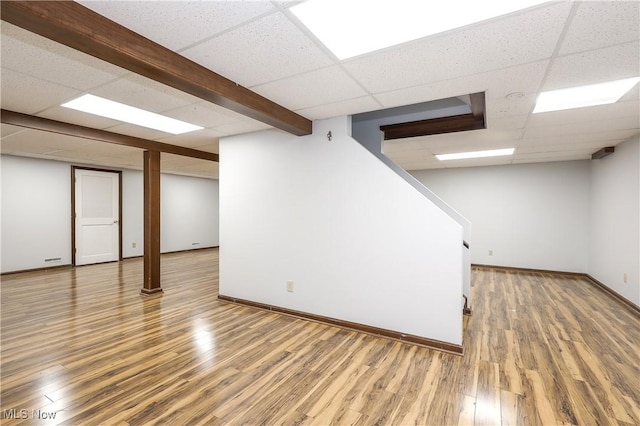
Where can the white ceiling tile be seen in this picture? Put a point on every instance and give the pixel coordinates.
(323, 86)
(347, 107)
(586, 127)
(76, 160)
(52, 146)
(205, 114)
(259, 45)
(210, 147)
(14, 146)
(178, 24)
(241, 127)
(552, 156)
(209, 171)
(268, 49)
(513, 40)
(176, 160)
(428, 92)
(560, 148)
(503, 107)
(42, 58)
(197, 139)
(475, 140)
(138, 131)
(179, 162)
(26, 153)
(9, 129)
(421, 165)
(602, 23)
(94, 149)
(595, 66)
(606, 137)
(479, 162)
(631, 95)
(142, 92)
(496, 84)
(77, 150)
(133, 161)
(28, 95)
(74, 155)
(40, 141)
(424, 158)
(188, 166)
(579, 115)
(524, 78)
(507, 122)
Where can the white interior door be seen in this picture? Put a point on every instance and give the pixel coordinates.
(97, 223)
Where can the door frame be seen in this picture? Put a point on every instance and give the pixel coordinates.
(73, 208)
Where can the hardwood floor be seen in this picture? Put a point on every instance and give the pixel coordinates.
(83, 345)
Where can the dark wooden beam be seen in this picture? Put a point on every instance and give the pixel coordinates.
(38, 123)
(603, 153)
(478, 105)
(151, 283)
(432, 126)
(457, 123)
(80, 28)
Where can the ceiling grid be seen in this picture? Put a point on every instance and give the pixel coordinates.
(262, 46)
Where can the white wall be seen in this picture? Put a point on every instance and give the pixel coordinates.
(133, 213)
(576, 216)
(359, 243)
(369, 135)
(189, 213)
(615, 220)
(530, 215)
(36, 213)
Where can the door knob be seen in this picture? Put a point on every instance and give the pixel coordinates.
(115, 221)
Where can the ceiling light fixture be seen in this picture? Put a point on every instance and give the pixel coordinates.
(475, 154)
(584, 96)
(115, 110)
(354, 27)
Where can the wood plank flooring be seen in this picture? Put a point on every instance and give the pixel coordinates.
(82, 345)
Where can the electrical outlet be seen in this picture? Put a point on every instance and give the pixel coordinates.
(290, 286)
(490, 252)
(133, 245)
(625, 278)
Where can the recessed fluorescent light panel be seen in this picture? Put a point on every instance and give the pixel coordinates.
(584, 96)
(475, 154)
(121, 112)
(353, 27)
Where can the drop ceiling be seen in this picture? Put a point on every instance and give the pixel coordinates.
(262, 46)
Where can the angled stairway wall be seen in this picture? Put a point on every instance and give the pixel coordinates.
(357, 242)
(368, 134)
